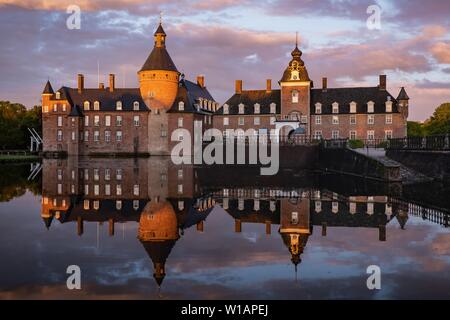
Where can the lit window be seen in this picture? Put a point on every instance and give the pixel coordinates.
(389, 119)
(319, 120)
(353, 107)
(136, 106)
(370, 107)
(119, 190)
(86, 204)
(119, 205)
(45, 109)
(96, 121)
(60, 121)
(96, 105)
(55, 107)
(58, 95)
(119, 105)
(119, 136)
(180, 205)
(241, 109)
(318, 108)
(64, 107)
(335, 107)
(135, 204)
(318, 135)
(335, 120)
(294, 96)
(136, 121)
(181, 106)
(87, 106)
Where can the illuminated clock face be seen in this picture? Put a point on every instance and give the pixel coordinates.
(294, 75)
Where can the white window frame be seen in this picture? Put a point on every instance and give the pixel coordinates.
(353, 107)
(107, 120)
(335, 120)
(241, 108)
(136, 105)
(389, 119)
(180, 122)
(136, 121)
(181, 106)
(318, 108)
(226, 121)
(96, 106)
(352, 119)
(318, 120)
(370, 107)
(371, 119)
(295, 96)
(335, 108)
(257, 108)
(370, 134)
(119, 105)
(226, 109)
(273, 108)
(256, 121)
(119, 136)
(241, 121)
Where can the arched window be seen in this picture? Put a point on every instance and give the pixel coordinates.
(241, 108)
(96, 105)
(226, 109)
(58, 95)
(257, 108)
(119, 105)
(294, 96)
(273, 108)
(370, 107)
(335, 106)
(181, 106)
(318, 108)
(136, 106)
(87, 105)
(352, 107)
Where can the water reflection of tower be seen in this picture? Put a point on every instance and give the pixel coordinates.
(295, 226)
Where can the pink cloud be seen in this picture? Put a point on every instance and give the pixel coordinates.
(441, 52)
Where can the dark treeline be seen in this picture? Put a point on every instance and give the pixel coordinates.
(14, 181)
(15, 118)
(438, 124)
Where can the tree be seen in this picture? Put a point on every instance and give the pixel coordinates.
(439, 123)
(415, 129)
(15, 120)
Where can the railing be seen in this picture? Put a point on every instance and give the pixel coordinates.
(431, 143)
(14, 153)
(431, 214)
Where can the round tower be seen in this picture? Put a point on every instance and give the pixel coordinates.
(158, 77)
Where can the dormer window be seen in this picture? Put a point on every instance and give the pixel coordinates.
(58, 95)
(209, 105)
(370, 107)
(96, 105)
(257, 108)
(335, 107)
(295, 96)
(353, 107)
(226, 109)
(318, 108)
(87, 106)
(273, 108)
(136, 106)
(389, 106)
(119, 105)
(181, 106)
(241, 108)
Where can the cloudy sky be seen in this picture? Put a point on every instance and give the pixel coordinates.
(227, 40)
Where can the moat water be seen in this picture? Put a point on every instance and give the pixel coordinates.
(147, 229)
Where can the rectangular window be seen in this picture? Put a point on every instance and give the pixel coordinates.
(86, 121)
(86, 189)
(352, 135)
(180, 188)
(108, 121)
(86, 136)
(180, 122)
(388, 106)
(389, 119)
(119, 136)
(96, 175)
(86, 174)
(335, 108)
(257, 108)
(119, 121)
(388, 134)
(119, 190)
(318, 135)
(107, 189)
(60, 121)
(304, 119)
(352, 107)
(370, 119)
(136, 190)
(370, 107)
(55, 108)
(335, 120)
(96, 190)
(241, 121)
(352, 119)
(370, 135)
(294, 96)
(59, 174)
(318, 108)
(226, 121)
(256, 121)
(335, 134)
(73, 136)
(273, 120)
(273, 108)
(86, 204)
(60, 135)
(119, 174)
(96, 121)
(319, 120)
(136, 121)
(96, 136)
(107, 174)
(107, 136)
(180, 174)
(45, 109)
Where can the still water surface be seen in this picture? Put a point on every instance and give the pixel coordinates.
(148, 229)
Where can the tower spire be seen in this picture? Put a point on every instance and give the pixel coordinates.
(160, 17)
(296, 39)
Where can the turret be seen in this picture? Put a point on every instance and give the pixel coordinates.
(158, 77)
(403, 103)
(47, 94)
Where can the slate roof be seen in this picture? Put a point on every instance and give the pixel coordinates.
(159, 59)
(402, 95)
(160, 30)
(344, 96)
(48, 88)
(189, 93)
(106, 98)
(250, 97)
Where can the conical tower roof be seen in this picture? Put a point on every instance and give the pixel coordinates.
(48, 88)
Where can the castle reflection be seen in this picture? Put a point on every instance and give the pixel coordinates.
(166, 199)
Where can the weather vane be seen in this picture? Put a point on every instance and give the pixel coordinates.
(160, 17)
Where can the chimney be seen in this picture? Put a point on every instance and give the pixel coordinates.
(383, 82)
(201, 81)
(101, 86)
(238, 86)
(80, 83)
(269, 85)
(112, 82)
(324, 84)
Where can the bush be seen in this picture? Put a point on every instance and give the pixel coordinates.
(382, 145)
(356, 144)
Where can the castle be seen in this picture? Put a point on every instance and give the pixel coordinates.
(140, 121)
